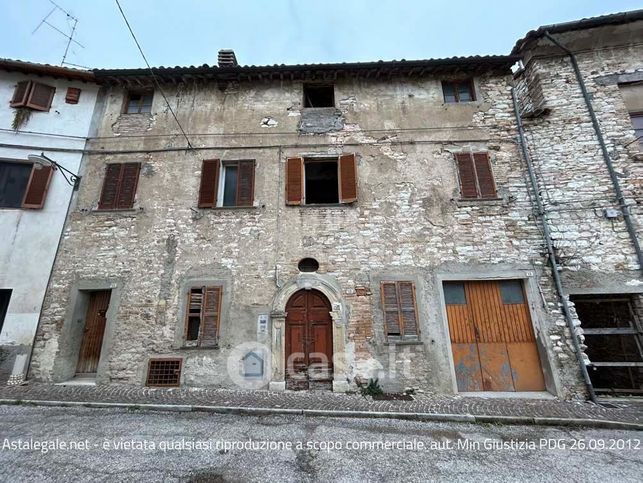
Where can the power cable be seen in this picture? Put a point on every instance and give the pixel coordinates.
(158, 85)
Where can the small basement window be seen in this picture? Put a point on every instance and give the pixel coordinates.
(139, 102)
(322, 181)
(316, 95)
(164, 372)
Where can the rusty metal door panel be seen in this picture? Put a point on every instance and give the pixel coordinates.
(492, 326)
(467, 367)
(95, 320)
(496, 370)
(525, 366)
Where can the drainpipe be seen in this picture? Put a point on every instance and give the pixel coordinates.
(608, 161)
(562, 297)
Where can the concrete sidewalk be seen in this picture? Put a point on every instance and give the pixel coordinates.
(617, 414)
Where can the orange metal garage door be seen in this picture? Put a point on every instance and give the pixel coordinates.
(492, 338)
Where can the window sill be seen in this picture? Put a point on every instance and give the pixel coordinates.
(479, 201)
(225, 208)
(403, 342)
(461, 103)
(197, 348)
(325, 205)
(112, 211)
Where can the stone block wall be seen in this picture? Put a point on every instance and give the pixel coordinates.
(408, 223)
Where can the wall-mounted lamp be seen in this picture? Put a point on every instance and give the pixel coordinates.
(40, 160)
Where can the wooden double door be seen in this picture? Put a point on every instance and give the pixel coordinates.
(93, 333)
(309, 341)
(492, 337)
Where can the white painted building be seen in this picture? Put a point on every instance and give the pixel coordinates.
(43, 109)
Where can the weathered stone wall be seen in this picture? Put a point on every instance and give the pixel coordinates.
(408, 223)
(595, 252)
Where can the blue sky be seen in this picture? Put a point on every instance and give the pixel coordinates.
(190, 32)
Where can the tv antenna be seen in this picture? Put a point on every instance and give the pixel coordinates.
(69, 37)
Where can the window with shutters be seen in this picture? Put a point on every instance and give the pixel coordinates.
(475, 175)
(320, 181)
(227, 183)
(73, 95)
(400, 310)
(458, 91)
(23, 185)
(203, 315)
(139, 102)
(34, 95)
(119, 186)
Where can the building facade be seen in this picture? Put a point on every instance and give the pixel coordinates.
(45, 109)
(590, 179)
(319, 226)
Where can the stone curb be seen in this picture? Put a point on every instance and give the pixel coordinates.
(252, 411)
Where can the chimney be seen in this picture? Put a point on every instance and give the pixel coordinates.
(227, 58)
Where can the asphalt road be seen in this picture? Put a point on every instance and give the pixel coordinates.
(121, 445)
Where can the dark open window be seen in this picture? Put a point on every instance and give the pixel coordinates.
(316, 95)
(637, 124)
(139, 102)
(5, 295)
(458, 91)
(315, 181)
(322, 182)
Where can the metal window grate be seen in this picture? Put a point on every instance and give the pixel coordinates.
(164, 372)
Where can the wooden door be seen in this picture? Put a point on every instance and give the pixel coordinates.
(492, 338)
(93, 334)
(309, 341)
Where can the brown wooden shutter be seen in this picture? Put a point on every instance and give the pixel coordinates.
(246, 183)
(209, 183)
(485, 176)
(210, 316)
(468, 188)
(127, 186)
(347, 178)
(37, 187)
(40, 97)
(406, 299)
(73, 95)
(21, 93)
(294, 180)
(390, 308)
(110, 187)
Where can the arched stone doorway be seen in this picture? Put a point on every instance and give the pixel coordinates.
(330, 289)
(309, 341)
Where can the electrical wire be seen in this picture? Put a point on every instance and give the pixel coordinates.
(158, 85)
